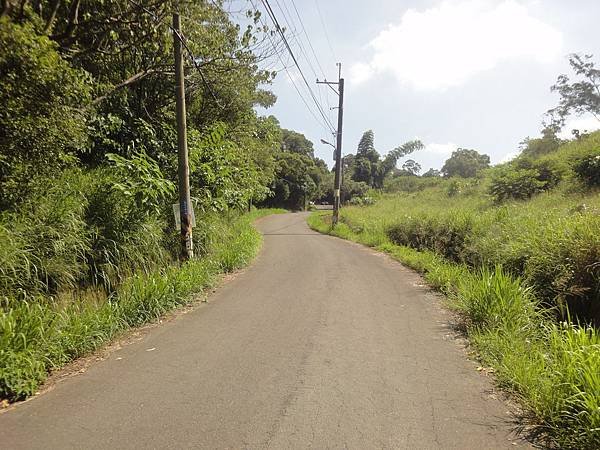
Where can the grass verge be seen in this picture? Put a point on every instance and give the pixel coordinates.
(552, 368)
(38, 335)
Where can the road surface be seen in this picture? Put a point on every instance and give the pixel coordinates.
(320, 344)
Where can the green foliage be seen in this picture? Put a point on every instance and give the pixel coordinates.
(411, 167)
(295, 142)
(367, 167)
(298, 180)
(588, 170)
(403, 183)
(552, 368)
(465, 163)
(548, 143)
(42, 118)
(512, 183)
(141, 179)
(36, 335)
(80, 230)
(445, 234)
(581, 96)
(432, 173)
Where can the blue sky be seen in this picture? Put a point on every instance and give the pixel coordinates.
(453, 73)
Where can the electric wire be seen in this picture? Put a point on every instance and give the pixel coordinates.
(297, 38)
(325, 29)
(291, 78)
(275, 21)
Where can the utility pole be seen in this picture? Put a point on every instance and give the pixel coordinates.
(337, 185)
(185, 206)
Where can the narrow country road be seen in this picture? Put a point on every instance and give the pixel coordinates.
(320, 344)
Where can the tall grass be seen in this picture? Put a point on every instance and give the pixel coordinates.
(553, 368)
(38, 335)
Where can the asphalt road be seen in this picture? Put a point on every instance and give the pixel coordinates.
(320, 344)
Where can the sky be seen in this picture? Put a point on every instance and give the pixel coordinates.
(452, 73)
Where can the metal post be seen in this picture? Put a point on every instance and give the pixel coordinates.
(185, 211)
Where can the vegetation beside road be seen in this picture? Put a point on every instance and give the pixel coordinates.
(39, 334)
(522, 270)
(88, 168)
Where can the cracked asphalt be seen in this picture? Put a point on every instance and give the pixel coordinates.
(321, 343)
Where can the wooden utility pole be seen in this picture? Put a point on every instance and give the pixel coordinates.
(337, 184)
(338, 155)
(185, 205)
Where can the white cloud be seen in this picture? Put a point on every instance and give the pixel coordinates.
(582, 124)
(360, 72)
(446, 45)
(439, 149)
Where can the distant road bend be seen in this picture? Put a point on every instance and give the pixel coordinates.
(320, 344)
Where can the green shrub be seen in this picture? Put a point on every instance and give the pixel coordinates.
(520, 184)
(554, 369)
(446, 234)
(37, 335)
(588, 170)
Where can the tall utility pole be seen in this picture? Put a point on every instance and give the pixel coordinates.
(185, 209)
(337, 184)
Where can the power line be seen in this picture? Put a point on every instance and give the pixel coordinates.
(286, 68)
(290, 51)
(325, 29)
(308, 38)
(297, 37)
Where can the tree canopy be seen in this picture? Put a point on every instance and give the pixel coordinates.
(368, 167)
(465, 163)
(580, 96)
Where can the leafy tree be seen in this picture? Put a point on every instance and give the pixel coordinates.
(292, 141)
(369, 168)
(587, 170)
(465, 163)
(388, 164)
(366, 147)
(42, 120)
(366, 159)
(297, 180)
(548, 143)
(432, 173)
(581, 96)
(412, 167)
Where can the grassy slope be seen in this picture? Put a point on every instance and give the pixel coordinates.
(38, 336)
(462, 244)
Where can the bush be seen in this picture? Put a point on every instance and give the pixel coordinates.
(519, 184)
(37, 335)
(446, 234)
(553, 368)
(588, 170)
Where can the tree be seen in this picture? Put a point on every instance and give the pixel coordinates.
(366, 159)
(292, 141)
(42, 110)
(465, 163)
(541, 146)
(369, 168)
(297, 180)
(385, 167)
(411, 166)
(432, 173)
(581, 96)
